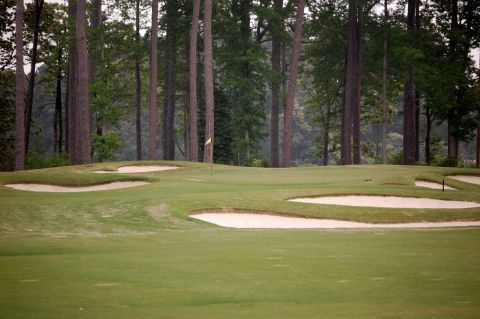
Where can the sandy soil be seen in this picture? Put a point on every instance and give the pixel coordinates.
(431, 185)
(467, 178)
(139, 169)
(387, 202)
(69, 189)
(249, 220)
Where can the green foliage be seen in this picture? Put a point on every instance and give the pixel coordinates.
(258, 162)
(242, 76)
(105, 146)
(7, 119)
(449, 161)
(36, 160)
(396, 158)
(7, 30)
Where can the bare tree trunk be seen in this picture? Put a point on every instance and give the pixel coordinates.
(453, 140)
(429, 116)
(57, 119)
(138, 83)
(72, 89)
(19, 90)
(350, 74)
(385, 79)
(193, 107)
(276, 67)
(153, 82)
(417, 125)
(409, 99)
(96, 52)
(417, 91)
(67, 126)
(83, 109)
(209, 100)
(31, 82)
(326, 137)
(478, 134)
(292, 84)
(357, 88)
(168, 116)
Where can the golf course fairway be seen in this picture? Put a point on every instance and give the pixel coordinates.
(137, 253)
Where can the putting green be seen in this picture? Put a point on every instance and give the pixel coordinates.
(137, 253)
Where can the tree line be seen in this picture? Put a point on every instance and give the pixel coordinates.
(346, 64)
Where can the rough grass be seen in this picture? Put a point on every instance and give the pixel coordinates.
(135, 253)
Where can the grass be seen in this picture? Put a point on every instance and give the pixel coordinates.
(136, 253)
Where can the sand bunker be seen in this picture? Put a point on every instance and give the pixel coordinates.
(249, 220)
(70, 189)
(139, 169)
(431, 185)
(387, 202)
(472, 179)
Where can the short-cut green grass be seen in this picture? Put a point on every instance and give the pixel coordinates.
(136, 253)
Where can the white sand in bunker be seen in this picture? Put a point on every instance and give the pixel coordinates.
(71, 189)
(472, 179)
(387, 202)
(432, 185)
(139, 169)
(251, 220)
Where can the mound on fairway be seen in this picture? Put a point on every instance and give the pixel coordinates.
(139, 169)
(387, 202)
(252, 220)
(472, 179)
(71, 189)
(432, 185)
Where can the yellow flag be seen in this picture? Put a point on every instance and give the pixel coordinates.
(209, 141)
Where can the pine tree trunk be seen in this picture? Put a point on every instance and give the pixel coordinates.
(478, 134)
(72, 89)
(57, 120)
(138, 83)
(96, 51)
(83, 110)
(409, 99)
(429, 116)
(326, 137)
(193, 107)
(417, 91)
(153, 83)
(453, 140)
(385, 79)
(31, 82)
(417, 125)
(276, 67)
(357, 87)
(19, 89)
(292, 84)
(168, 116)
(208, 66)
(350, 74)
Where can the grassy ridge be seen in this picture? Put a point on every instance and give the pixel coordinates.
(166, 202)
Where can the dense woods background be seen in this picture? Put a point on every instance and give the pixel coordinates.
(269, 83)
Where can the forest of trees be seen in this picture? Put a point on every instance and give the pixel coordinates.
(245, 82)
